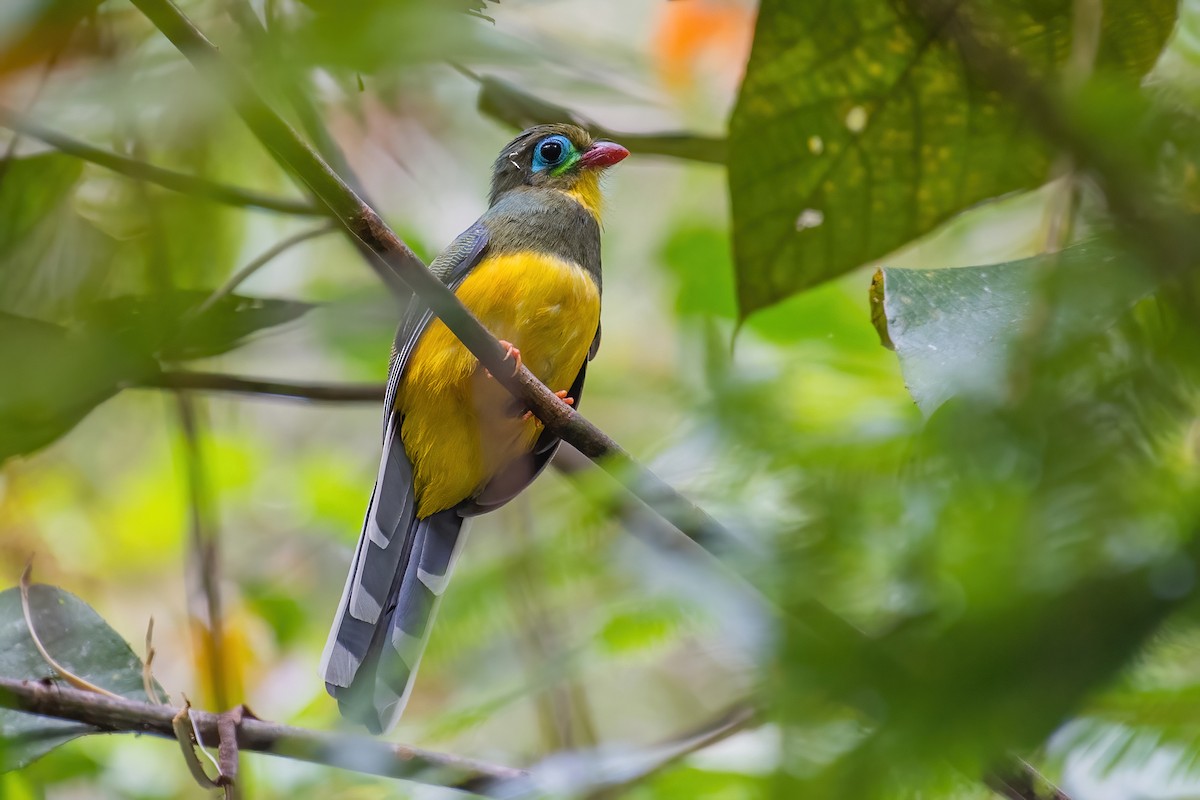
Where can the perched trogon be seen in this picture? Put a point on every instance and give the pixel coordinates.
(455, 443)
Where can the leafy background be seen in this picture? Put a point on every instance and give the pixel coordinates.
(1013, 552)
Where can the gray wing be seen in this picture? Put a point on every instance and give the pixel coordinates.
(450, 267)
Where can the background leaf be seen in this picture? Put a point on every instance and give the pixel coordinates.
(49, 255)
(77, 638)
(954, 330)
(169, 328)
(857, 130)
(55, 377)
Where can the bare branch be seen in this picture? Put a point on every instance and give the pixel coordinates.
(358, 753)
(140, 170)
(218, 382)
(148, 685)
(361, 220)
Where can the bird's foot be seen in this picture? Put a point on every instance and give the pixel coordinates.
(510, 351)
(561, 395)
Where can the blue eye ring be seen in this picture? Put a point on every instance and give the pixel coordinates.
(551, 152)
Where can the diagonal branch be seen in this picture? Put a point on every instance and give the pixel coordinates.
(358, 753)
(365, 224)
(140, 170)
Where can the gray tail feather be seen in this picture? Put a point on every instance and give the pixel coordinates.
(397, 577)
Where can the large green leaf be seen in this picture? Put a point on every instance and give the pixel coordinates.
(955, 330)
(857, 130)
(49, 254)
(170, 327)
(54, 377)
(75, 636)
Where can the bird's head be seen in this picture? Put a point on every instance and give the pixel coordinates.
(559, 156)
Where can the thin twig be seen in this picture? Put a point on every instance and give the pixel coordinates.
(1021, 783)
(360, 219)
(358, 753)
(599, 774)
(204, 556)
(184, 729)
(67, 675)
(1087, 17)
(730, 723)
(280, 247)
(268, 47)
(218, 382)
(200, 741)
(148, 685)
(142, 171)
(564, 717)
(272, 50)
(11, 151)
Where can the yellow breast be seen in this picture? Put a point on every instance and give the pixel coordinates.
(458, 426)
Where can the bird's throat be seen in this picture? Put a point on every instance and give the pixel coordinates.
(586, 192)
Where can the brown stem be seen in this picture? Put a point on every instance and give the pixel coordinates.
(204, 558)
(358, 753)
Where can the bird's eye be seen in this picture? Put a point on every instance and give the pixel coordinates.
(551, 152)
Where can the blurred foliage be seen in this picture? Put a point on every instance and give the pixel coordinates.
(1006, 566)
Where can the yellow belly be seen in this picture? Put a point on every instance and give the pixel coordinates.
(458, 426)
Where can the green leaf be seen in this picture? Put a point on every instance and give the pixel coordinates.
(169, 327)
(77, 637)
(643, 628)
(376, 36)
(54, 377)
(856, 130)
(49, 254)
(955, 330)
(30, 189)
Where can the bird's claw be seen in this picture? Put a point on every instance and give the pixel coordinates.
(561, 395)
(510, 351)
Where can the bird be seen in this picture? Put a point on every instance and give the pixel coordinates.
(455, 443)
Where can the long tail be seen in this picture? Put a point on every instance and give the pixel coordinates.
(400, 568)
